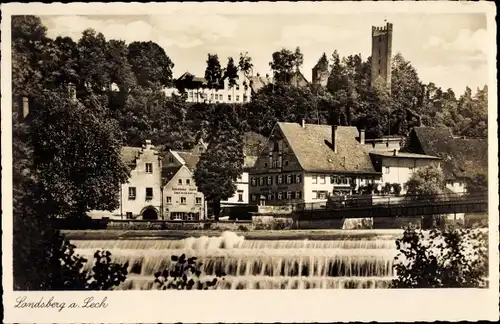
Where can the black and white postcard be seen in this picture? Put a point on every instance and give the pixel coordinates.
(249, 162)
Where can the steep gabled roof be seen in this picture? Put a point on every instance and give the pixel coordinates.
(461, 157)
(168, 173)
(130, 154)
(190, 159)
(312, 146)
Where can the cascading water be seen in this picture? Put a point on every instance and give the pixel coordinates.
(259, 264)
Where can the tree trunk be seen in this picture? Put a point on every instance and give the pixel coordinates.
(216, 209)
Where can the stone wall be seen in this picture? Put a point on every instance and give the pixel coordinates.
(396, 223)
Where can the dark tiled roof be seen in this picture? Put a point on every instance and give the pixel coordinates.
(257, 82)
(168, 173)
(190, 159)
(461, 157)
(253, 143)
(311, 145)
(130, 154)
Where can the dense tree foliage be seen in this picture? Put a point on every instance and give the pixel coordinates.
(213, 71)
(285, 62)
(150, 64)
(442, 259)
(67, 158)
(231, 72)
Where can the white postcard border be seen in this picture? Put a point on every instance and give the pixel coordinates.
(252, 305)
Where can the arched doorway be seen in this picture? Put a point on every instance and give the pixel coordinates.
(149, 213)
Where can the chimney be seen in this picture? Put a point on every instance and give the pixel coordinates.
(148, 145)
(395, 152)
(26, 107)
(303, 123)
(362, 136)
(334, 133)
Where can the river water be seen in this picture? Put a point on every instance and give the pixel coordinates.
(345, 261)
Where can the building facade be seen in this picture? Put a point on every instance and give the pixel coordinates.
(161, 186)
(307, 163)
(398, 167)
(381, 55)
(197, 89)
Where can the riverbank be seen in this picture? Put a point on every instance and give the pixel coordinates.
(333, 234)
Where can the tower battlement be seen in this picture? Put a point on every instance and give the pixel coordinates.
(376, 31)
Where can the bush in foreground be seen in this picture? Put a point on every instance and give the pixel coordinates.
(452, 258)
(184, 275)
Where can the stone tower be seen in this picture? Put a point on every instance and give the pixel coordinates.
(382, 54)
(320, 72)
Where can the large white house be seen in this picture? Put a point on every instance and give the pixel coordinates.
(197, 89)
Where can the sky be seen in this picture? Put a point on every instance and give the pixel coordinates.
(447, 49)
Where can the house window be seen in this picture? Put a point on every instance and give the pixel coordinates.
(176, 216)
(228, 97)
(321, 194)
(322, 179)
(289, 195)
(240, 195)
(216, 97)
(212, 96)
(191, 95)
(169, 200)
(254, 182)
(237, 88)
(254, 197)
(280, 179)
(188, 182)
(183, 200)
(131, 193)
(344, 180)
(128, 215)
(245, 98)
(269, 196)
(198, 200)
(149, 193)
(269, 181)
(298, 178)
(180, 181)
(237, 98)
(170, 160)
(286, 163)
(315, 179)
(261, 181)
(280, 196)
(289, 179)
(338, 180)
(149, 167)
(265, 164)
(387, 169)
(298, 195)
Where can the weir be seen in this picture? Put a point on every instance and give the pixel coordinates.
(353, 262)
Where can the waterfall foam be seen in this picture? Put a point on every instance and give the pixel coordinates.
(260, 264)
